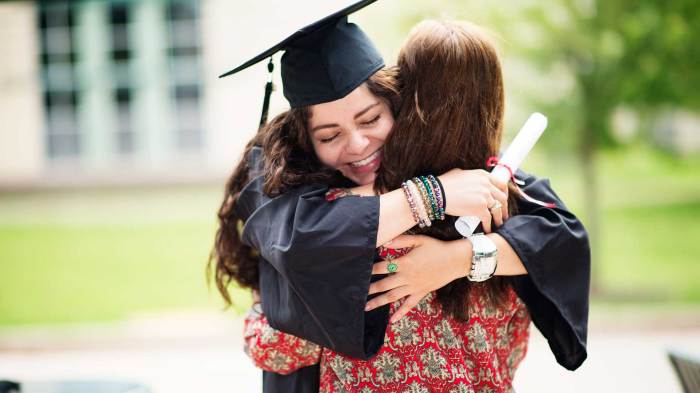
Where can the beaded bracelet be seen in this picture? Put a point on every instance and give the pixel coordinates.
(431, 196)
(411, 203)
(439, 194)
(425, 194)
(424, 197)
(422, 211)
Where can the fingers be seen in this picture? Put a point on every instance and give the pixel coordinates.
(386, 284)
(383, 266)
(498, 183)
(497, 216)
(387, 298)
(486, 220)
(499, 212)
(405, 241)
(407, 305)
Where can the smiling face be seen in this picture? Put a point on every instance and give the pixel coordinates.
(348, 134)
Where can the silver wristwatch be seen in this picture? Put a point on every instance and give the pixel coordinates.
(484, 258)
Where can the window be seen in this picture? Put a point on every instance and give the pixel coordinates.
(183, 52)
(58, 59)
(120, 50)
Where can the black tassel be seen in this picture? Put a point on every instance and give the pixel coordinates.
(268, 92)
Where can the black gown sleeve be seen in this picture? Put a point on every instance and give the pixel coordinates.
(316, 265)
(304, 380)
(317, 257)
(553, 246)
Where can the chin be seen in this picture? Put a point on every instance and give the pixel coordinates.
(364, 180)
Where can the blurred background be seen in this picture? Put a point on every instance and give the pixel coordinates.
(116, 138)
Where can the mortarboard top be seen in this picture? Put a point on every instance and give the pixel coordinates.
(323, 61)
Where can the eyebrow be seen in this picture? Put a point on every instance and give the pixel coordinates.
(358, 114)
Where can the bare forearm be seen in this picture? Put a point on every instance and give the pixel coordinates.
(509, 263)
(395, 216)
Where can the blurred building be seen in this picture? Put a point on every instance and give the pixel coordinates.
(678, 130)
(103, 92)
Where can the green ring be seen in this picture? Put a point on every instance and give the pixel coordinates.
(392, 267)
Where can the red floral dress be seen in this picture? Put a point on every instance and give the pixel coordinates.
(425, 351)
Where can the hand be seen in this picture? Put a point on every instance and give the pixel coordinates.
(472, 192)
(430, 265)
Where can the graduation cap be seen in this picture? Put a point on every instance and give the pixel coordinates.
(323, 61)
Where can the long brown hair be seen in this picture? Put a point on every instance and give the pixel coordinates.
(451, 117)
(448, 103)
(289, 161)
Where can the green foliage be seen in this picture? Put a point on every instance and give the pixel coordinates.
(636, 54)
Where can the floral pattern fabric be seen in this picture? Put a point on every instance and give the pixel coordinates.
(425, 351)
(272, 350)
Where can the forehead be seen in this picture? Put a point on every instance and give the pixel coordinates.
(343, 109)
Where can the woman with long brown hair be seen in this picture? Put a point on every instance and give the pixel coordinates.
(481, 329)
(296, 273)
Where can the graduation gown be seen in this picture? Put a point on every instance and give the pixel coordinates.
(317, 257)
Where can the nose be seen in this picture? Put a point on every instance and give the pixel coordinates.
(357, 143)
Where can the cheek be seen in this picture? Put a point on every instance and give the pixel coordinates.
(386, 128)
(326, 154)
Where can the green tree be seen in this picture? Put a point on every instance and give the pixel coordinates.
(641, 55)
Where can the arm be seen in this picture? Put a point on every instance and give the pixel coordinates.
(553, 246)
(310, 247)
(417, 273)
(274, 351)
(545, 249)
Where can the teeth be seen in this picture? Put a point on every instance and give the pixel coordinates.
(366, 160)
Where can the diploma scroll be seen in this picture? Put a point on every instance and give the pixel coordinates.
(512, 158)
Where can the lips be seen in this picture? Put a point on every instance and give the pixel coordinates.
(365, 161)
(366, 165)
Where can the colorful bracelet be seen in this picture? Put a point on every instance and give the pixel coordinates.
(439, 194)
(411, 203)
(431, 196)
(424, 197)
(420, 204)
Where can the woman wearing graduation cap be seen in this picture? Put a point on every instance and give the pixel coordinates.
(306, 243)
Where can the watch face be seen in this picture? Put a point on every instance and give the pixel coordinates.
(489, 264)
(484, 259)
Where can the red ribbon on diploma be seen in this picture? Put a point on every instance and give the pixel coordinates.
(493, 161)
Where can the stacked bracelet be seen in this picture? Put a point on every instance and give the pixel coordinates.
(411, 203)
(426, 198)
(432, 197)
(439, 195)
(425, 220)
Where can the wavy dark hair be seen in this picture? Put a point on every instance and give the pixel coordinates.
(448, 102)
(289, 161)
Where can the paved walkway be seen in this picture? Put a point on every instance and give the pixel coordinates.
(202, 353)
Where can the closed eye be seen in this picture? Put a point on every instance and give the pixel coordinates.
(329, 139)
(372, 122)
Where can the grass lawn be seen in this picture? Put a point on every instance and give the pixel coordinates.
(107, 254)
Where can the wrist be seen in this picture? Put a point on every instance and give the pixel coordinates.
(484, 258)
(462, 261)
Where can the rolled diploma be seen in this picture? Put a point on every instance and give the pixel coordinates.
(515, 154)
